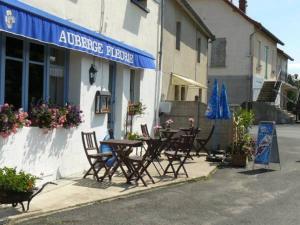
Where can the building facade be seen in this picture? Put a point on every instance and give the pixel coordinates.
(184, 55)
(50, 50)
(244, 54)
(283, 76)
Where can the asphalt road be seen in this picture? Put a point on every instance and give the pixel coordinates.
(230, 197)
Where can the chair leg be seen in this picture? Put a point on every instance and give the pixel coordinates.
(146, 171)
(87, 173)
(181, 165)
(167, 168)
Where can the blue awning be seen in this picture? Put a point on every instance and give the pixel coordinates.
(24, 20)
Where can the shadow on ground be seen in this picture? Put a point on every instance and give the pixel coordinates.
(256, 172)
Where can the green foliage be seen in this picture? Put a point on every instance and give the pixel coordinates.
(11, 180)
(136, 109)
(244, 118)
(133, 136)
(243, 142)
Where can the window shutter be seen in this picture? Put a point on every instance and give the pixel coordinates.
(218, 53)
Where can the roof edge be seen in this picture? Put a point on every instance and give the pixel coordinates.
(194, 16)
(285, 54)
(254, 22)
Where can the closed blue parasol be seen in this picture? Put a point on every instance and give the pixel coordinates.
(225, 113)
(213, 109)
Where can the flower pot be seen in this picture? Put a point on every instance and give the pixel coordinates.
(239, 160)
(13, 197)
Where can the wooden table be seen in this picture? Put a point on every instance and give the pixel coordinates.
(187, 130)
(168, 133)
(122, 149)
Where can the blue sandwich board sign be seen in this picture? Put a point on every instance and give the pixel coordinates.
(267, 146)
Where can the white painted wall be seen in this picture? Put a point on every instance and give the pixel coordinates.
(272, 57)
(225, 23)
(59, 153)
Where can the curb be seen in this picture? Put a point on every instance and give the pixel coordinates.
(14, 221)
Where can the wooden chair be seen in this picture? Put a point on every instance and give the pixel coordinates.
(145, 131)
(203, 142)
(96, 160)
(139, 164)
(179, 152)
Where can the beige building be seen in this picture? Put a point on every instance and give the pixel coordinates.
(184, 55)
(282, 69)
(244, 54)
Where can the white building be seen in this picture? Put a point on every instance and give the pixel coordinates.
(47, 49)
(244, 53)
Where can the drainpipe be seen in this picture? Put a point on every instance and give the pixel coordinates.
(159, 66)
(251, 65)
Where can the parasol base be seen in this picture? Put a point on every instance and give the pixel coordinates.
(213, 158)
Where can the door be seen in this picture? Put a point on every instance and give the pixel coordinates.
(112, 90)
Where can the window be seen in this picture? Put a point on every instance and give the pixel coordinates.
(134, 86)
(13, 71)
(259, 54)
(266, 61)
(183, 94)
(36, 73)
(57, 76)
(179, 93)
(176, 92)
(25, 78)
(199, 50)
(178, 35)
(218, 53)
(142, 4)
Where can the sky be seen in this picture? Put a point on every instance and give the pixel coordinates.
(282, 18)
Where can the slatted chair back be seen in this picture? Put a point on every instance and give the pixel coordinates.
(145, 131)
(188, 142)
(89, 142)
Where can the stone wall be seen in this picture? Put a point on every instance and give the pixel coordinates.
(182, 111)
(267, 112)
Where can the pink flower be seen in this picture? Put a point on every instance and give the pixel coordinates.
(191, 120)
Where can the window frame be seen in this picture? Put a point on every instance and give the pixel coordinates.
(214, 63)
(134, 86)
(25, 70)
(141, 6)
(178, 34)
(199, 43)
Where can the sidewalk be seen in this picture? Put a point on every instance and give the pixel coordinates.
(74, 191)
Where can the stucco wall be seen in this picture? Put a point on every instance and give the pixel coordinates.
(59, 153)
(118, 19)
(272, 57)
(225, 23)
(184, 61)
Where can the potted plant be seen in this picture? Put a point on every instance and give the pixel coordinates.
(192, 122)
(18, 187)
(15, 186)
(133, 136)
(242, 146)
(11, 121)
(168, 123)
(136, 109)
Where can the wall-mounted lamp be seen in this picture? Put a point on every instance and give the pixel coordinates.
(102, 102)
(92, 74)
